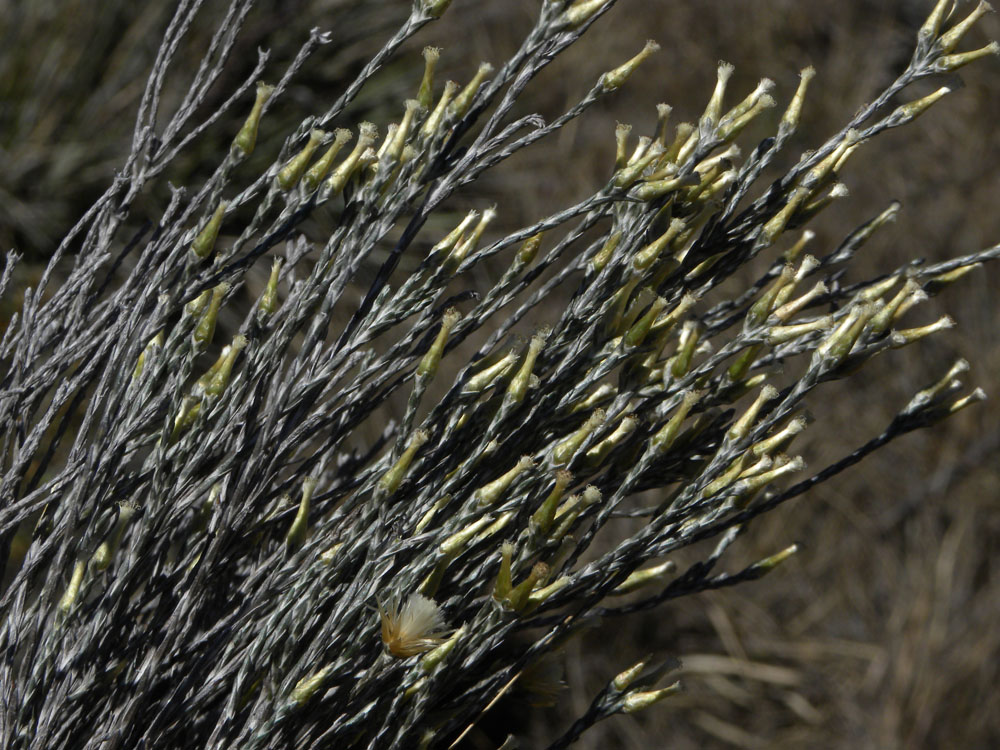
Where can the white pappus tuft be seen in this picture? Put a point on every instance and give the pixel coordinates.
(415, 627)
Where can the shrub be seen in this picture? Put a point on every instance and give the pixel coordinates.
(228, 548)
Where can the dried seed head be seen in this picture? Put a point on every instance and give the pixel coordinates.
(412, 629)
(543, 681)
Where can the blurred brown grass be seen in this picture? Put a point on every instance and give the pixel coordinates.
(882, 632)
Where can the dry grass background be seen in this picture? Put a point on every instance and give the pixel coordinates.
(882, 633)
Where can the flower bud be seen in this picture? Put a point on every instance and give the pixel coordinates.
(776, 224)
(367, 134)
(839, 344)
(894, 309)
(607, 251)
(203, 332)
(912, 110)
(741, 427)
(518, 386)
(770, 563)
(186, 416)
(948, 63)
(950, 39)
(154, 344)
(641, 578)
(541, 519)
(518, 597)
(539, 596)
(564, 452)
(731, 128)
(306, 687)
(682, 136)
(765, 87)
(711, 116)
(436, 8)
(318, 171)
(622, 131)
(106, 552)
(429, 364)
(454, 544)
(681, 361)
(975, 397)
(390, 482)
(909, 335)
(790, 120)
(269, 299)
(600, 394)
(781, 439)
(936, 283)
(641, 161)
(615, 78)
(792, 254)
(638, 332)
(426, 93)
(663, 112)
(213, 383)
(789, 309)
(600, 451)
(581, 11)
(433, 121)
(626, 678)
(490, 493)
(485, 378)
(72, 588)
(464, 100)
(246, 139)
(467, 244)
(932, 26)
(434, 657)
(752, 484)
(639, 700)
(654, 189)
(663, 439)
(204, 243)
(395, 144)
(291, 172)
(648, 255)
(300, 524)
